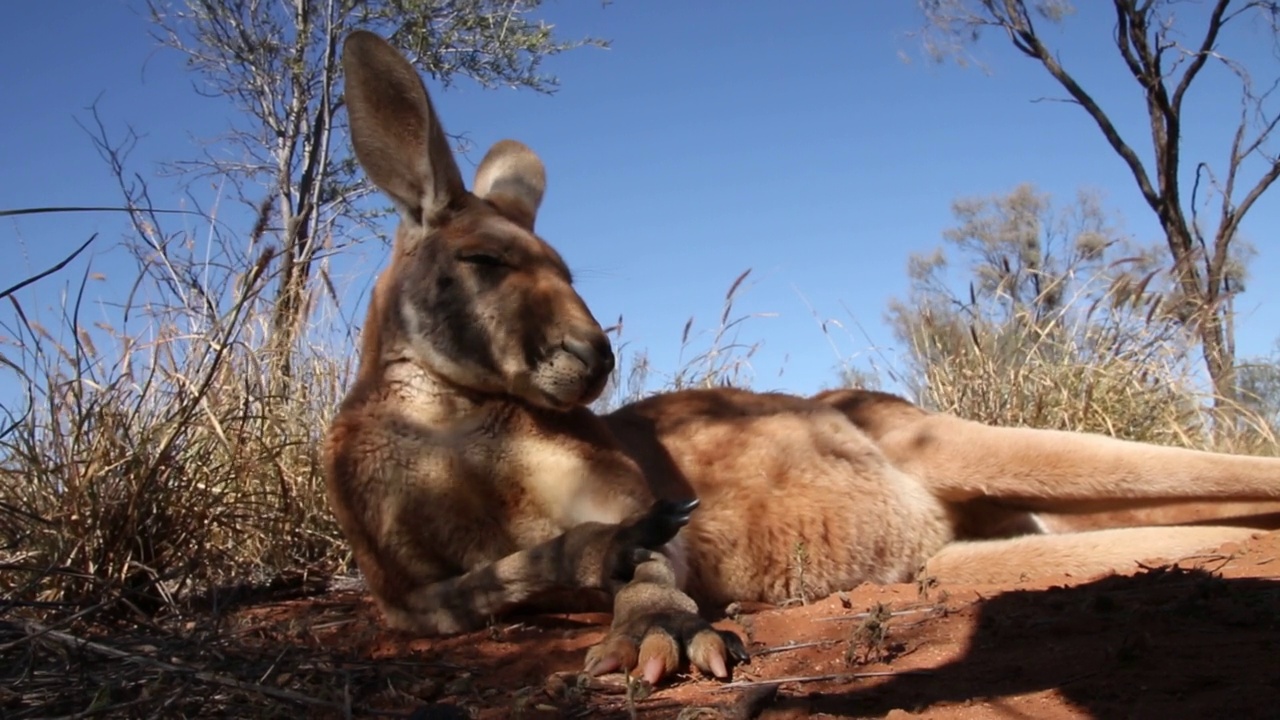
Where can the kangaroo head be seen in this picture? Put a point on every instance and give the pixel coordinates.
(472, 294)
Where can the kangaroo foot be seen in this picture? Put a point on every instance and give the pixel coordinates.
(657, 628)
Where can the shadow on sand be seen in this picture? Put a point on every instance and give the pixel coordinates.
(1167, 643)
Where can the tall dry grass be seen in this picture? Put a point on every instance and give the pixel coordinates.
(1096, 363)
(157, 459)
(715, 356)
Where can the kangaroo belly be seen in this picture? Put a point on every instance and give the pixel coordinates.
(796, 501)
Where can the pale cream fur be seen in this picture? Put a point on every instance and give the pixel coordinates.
(470, 478)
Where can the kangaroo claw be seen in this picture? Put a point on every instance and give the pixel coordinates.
(661, 523)
(665, 646)
(659, 656)
(715, 651)
(615, 653)
(657, 527)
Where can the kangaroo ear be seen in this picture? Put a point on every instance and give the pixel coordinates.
(396, 134)
(513, 178)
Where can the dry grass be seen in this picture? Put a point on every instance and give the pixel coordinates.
(1090, 379)
(154, 472)
(726, 359)
(711, 357)
(160, 463)
(1097, 364)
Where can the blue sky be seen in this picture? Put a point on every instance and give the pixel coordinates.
(791, 138)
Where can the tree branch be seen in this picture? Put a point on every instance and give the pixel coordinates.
(1103, 121)
(1202, 55)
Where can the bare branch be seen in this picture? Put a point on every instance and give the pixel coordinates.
(1202, 55)
(1103, 121)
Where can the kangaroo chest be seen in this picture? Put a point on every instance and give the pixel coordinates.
(564, 485)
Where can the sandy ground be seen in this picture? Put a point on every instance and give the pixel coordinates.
(1200, 639)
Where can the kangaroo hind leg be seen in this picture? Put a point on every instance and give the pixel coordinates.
(1069, 472)
(1082, 554)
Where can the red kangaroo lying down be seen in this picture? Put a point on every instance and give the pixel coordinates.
(470, 478)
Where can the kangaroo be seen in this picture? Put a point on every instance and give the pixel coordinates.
(470, 478)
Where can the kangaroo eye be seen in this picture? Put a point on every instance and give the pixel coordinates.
(482, 259)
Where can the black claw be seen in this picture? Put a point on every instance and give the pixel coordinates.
(651, 531)
(676, 507)
(640, 556)
(663, 521)
(733, 644)
(673, 512)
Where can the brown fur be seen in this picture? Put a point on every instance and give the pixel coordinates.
(469, 477)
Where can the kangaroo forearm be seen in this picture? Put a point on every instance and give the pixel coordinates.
(573, 560)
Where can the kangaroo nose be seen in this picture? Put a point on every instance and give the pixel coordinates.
(596, 355)
(604, 350)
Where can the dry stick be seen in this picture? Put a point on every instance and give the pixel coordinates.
(864, 615)
(754, 702)
(72, 209)
(822, 678)
(202, 675)
(790, 647)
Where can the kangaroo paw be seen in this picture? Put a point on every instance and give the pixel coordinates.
(656, 630)
(657, 527)
(658, 645)
(660, 524)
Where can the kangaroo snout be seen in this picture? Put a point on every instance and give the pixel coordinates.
(595, 354)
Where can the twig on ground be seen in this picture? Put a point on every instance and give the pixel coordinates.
(791, 646)
(843, 677)
(864, 615)
(98, 711)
